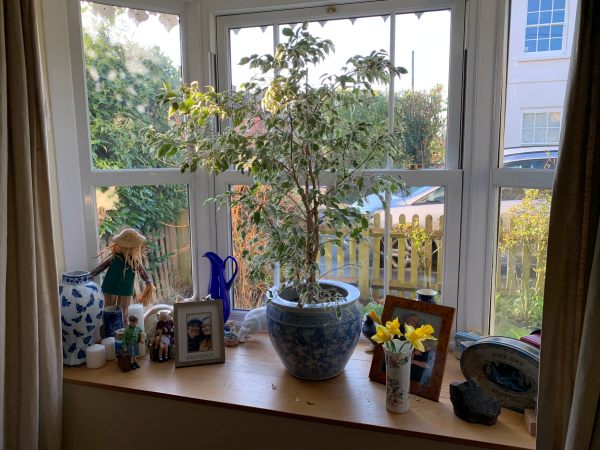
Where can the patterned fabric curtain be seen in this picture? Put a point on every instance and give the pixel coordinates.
(569, 409)
(30, 347)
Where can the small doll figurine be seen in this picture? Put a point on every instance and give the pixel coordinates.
(124, 259)
(165, 336)
(132, 336)
(163, 342)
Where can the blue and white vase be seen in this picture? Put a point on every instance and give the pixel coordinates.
(81, 303)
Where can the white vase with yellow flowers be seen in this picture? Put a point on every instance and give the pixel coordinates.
(398, 347)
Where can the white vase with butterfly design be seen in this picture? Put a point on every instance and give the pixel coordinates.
(81, 302)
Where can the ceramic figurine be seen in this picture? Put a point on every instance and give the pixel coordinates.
(124, 258)
(164, 338)
(132, 336)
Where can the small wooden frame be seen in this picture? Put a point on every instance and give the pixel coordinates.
(428, 384)
(199, 336)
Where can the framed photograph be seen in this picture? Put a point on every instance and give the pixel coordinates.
(199, 337)
(427, 369)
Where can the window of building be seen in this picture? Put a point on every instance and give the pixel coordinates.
(540, 128)
(545, 25)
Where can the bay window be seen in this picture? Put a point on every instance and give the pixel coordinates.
(457, 111)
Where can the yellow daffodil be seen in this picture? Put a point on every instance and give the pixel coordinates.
(375, 317)
(393, 327)
(417, 336)
(382, 335)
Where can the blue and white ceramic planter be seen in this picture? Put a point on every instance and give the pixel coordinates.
(313, 342)
(81, 304)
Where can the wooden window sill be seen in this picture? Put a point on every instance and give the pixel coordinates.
(253, 379)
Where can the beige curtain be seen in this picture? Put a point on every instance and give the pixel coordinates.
(569, 409)
(30, 346)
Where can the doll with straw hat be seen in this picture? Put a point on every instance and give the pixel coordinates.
(124, 258)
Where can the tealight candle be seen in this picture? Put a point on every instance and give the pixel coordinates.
(109, 343)
(95, 356)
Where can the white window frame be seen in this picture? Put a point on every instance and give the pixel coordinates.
(472, 179)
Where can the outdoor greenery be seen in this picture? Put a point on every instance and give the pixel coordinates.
(419, 239)
(419, 120)
(122, 102)
(292, 137)
(519, 304)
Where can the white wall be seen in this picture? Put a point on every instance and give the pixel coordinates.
(535, 81)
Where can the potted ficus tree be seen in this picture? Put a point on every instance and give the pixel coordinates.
(306, 152)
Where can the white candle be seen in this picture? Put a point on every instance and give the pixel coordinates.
(137, 310)
(109, 344)
(95, 356)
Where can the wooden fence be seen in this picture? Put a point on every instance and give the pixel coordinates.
(517, 268)
(363, 263)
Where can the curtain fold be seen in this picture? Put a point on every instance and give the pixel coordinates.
(31, 376)
(569, 374)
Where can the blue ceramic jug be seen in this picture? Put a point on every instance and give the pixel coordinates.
(218, 288)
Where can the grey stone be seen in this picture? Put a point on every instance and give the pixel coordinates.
(472, 404)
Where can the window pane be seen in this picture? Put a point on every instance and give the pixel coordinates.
(161, 214)
(421, 97)
(528, 120)
(417, 233)
(543, 32)
(556, 31)
(531, 33)
(546, 17)
(540, 135)
(553, 135)
(541, 120)
(558, 16)
(245, 42)
(416, 237)
(533, 18)
(129, 54)
(554, 119)
(374, 34)
(253, 278)
(533, 5)
(527, 137)
(521, 262)
(535, 84)
(559, 4)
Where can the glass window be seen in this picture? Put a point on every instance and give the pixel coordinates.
(521, 260)
(245, 42)
(254, 278)
(421, 96)
(129, 54)
(375, 35)
(540, 128)
(537, 33)
(416, 236)
(161, 214)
